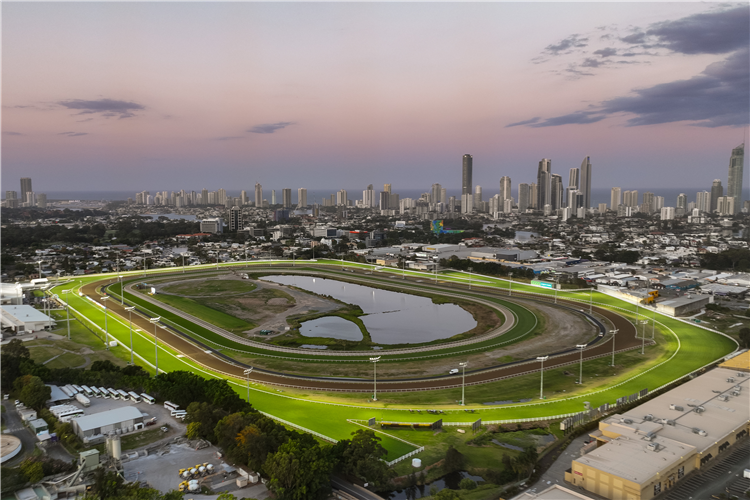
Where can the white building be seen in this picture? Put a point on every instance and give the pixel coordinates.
(21, 319)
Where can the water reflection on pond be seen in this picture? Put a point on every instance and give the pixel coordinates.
(449, 481)
(390, 317)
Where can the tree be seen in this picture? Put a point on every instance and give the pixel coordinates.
(467, 484)
(447, 494)
(299, 471)
(34, 394)
(193, 430)
(15, 349)
(34, 471)
(362, 458)
(454, 460)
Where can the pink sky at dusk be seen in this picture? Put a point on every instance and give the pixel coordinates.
(134, 96)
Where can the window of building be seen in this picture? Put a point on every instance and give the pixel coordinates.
(681, 472)
(657, 489)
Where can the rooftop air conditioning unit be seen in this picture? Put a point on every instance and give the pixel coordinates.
(626, 421)
(735, 393)
(648, 417)
(676, 407)
(700, 409)
(724, 398)
(696, 430)
(702, 433)
(653, 446)
(670, 422)
(730, 380)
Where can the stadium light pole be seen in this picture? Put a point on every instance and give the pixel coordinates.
(463, 382)
(510, 284)
(541, 387)
(643, 335)
(470, 269)
(183, 262)
(67, 309)
(653, 323)
(613, 332)
(375, 377)
(106, 329)
(40, 268)
(580, 372)
(49, 311)
(156, 345)
(247, 374)
(591, 300)
(130, 314)
(122, 293)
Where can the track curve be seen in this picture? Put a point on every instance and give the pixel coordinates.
(215, 361)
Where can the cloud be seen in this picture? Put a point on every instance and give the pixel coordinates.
(636, 38)
(269, 128)
(229, 137)
(73, 134)
(717, 32)
(524, 122)
(590, 62)
(105, 107)
(565, 45)
(8, 132)
(580, 117)
(609, 51)
(718, 96)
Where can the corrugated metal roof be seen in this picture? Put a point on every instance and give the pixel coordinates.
(89, 422)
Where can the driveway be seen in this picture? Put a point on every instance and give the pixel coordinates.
(14, 426)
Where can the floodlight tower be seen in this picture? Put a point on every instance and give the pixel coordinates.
(106, 329)
(375, 377)
(67, 309)
(247, 374)
(613, 332)
(130, 314)
(541, 389)
(156, 345)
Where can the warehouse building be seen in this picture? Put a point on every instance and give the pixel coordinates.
(99, 425)
(23, 319)
(649, 449)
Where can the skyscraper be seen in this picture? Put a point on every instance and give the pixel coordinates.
(649, 202)
(734, 183)
(572, 184)
(505, 192)
(301, 197)
(717, 191)
(523, 197)
(556, 191)
(258, 195)
(204, 196)
(466, 177)
(286, 197)
(368, 197)
(543, 180)
(585, 186)
(681, 202)
(235, 218)
(25, 188)
(477, 195)
(436, 193)
(387, 188)
(703, 201)
(615, 199)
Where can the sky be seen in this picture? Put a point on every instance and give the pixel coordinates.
(168, 96)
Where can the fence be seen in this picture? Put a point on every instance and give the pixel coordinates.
(303, 429)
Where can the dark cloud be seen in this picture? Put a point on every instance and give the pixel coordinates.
(269, 128)
(73, 134)
(609, 51)
(575, 72)
(229, 138)
(105, 107)
(635, 39)
(565, 45)
(524, 122)
(706, 33)
(579, 118)
(11, 133)
(718, 96)
(590, 62)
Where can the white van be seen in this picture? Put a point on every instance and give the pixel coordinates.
(453, 371)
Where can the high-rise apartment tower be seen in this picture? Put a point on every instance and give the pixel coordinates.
(734, 183)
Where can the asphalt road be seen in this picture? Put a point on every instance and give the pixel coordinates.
(193, 350)
(14, 425)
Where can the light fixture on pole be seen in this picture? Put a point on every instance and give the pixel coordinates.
(247, 374)
(613, 332)
(40, 268)
(463, 382)
(156, 345)
(375, 377)
(67, 310)
(510, 284)
(644, 322)
(49, 312)
(541, 387)
(122, 291)
(470, 278)
(580, 373)
(106, 329)
(130, 314)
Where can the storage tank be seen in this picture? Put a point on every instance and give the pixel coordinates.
(416, 462)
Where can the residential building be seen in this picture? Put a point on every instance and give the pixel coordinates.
(25, 188)
(543, 182)
(734, 183)
(258, 195)
(585, 184)
(573, 183)
(286, 198)
(505, 189)
(523, 197)
(235, 219)
(725, 205)
(466, 174)
(301, 197)
(667, 213)
(615, 198)
(703, 201)
(717, 191)
(213, 226)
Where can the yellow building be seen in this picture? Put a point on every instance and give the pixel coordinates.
(648, 449)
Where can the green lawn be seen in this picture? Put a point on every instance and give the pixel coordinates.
(211, 287)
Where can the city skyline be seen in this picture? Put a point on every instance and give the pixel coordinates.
(379, 93)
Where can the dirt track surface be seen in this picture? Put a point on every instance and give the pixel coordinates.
(624, 340)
